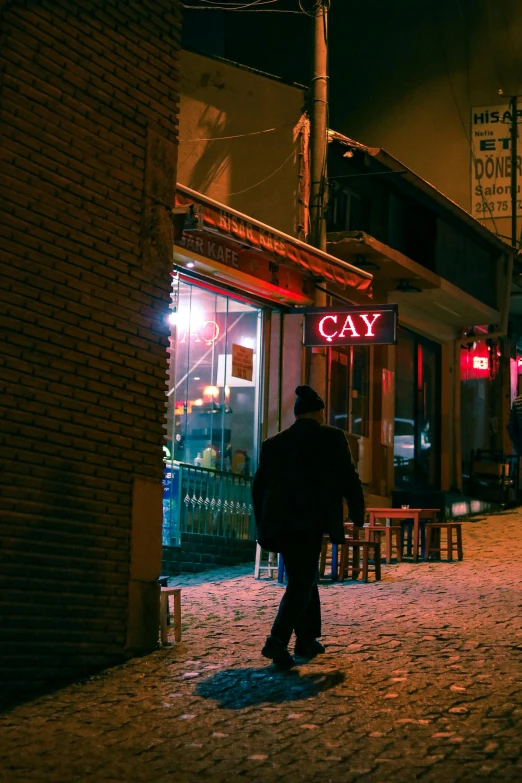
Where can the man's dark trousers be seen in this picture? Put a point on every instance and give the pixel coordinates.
(300, 608)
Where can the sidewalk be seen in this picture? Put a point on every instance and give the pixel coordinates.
(422, 681)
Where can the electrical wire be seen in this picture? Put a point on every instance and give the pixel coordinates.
(239, 135)
(318, 5)
(238, 4)
(244, 9)
(238, 192)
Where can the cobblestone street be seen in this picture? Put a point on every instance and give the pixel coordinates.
(421, 681)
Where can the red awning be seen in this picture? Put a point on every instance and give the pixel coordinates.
(253, 235)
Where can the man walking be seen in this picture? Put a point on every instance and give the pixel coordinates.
(304, 472)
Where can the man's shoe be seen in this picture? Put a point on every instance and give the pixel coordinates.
(309, 649)
(278, 653)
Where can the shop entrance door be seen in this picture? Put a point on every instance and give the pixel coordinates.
(417, 413)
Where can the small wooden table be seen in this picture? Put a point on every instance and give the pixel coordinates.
(416, 514)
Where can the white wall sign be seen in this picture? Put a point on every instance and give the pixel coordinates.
(491, 162)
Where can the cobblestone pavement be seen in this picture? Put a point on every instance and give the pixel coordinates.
(421, 681)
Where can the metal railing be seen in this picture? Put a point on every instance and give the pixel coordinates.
(210, 502)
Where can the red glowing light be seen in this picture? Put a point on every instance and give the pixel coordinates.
(351, 325)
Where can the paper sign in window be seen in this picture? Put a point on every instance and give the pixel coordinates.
(242, 362)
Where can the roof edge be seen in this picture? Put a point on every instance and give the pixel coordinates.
(415, 179)
(273, 77)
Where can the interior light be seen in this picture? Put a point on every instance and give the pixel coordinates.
(189, 265)
(247, 342)
(197, 378)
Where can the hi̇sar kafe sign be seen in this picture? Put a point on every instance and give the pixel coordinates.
(491, 162)
(331, 326)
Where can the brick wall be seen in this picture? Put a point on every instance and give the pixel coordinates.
(84, 86)
(201, 553)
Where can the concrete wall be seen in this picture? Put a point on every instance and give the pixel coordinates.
(88, 136)
(257, 174)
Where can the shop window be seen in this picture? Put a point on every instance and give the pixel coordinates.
(417, 413)
(360, 391)
(349, 390)
(339, 408)
(213, 403)
(347, 211)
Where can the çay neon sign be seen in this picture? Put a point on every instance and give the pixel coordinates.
(351, 326)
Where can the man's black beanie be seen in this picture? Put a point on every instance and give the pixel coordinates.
(307, 401)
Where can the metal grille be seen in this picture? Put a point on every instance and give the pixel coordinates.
(209, 502)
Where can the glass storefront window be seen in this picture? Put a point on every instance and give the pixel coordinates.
(339, 408)
(214, 413)
(349, 390)
(417, 413)
(213, 404)
(360, 391)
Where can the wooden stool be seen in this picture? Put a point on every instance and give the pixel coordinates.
(324, 554)
(451, 545)
(392, 533)
(360, 548)
(270, 565)
(166, 592)
(349, 530)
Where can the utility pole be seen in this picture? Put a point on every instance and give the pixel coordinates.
(317, 374)
(318, 130)
(514, 195)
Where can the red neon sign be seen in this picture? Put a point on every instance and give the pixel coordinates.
(475, 363)
(480, 363)
(331, 326)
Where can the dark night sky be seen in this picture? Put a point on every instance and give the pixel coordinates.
(401, 38)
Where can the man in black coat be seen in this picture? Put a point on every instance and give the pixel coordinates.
(304, 473)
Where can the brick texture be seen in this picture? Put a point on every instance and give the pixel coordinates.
(199, 552)
(82, 319)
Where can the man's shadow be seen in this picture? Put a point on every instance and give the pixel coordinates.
(238, 688)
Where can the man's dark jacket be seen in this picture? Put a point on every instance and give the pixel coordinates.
(304, 472)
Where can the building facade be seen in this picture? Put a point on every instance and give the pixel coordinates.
(236, 355)
(89, 102)
(244, 141)
(410, 410)
(451, 279)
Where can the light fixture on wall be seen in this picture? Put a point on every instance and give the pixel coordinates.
(405, 287)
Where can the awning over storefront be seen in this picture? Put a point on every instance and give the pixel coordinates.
(238, 247)
(421, 294)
